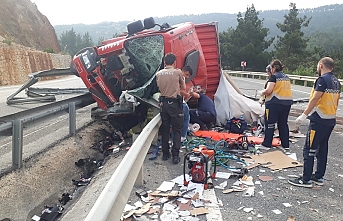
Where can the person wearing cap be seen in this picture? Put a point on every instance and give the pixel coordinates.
(323, 105)
(278, 103)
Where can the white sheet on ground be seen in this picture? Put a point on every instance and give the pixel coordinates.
(229, 103)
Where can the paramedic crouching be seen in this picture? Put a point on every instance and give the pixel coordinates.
(204, 113)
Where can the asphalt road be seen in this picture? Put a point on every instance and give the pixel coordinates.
(319, 203)
(323, 203)
(47, 133)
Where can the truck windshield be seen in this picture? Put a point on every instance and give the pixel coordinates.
(146, 54)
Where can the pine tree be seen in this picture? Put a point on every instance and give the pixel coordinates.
(246, 43)
(291, 48)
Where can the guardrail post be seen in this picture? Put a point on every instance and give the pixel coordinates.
(305, 83)
(17, 144)
(139, 180)
(72, 119)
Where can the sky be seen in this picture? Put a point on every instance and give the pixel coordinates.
(63, 12)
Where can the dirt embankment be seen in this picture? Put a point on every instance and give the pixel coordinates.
(44, 178)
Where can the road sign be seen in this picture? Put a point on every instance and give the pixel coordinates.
(243, 63)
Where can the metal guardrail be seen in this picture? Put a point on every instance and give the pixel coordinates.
(17, 121)
(112, 200)
(263, 75)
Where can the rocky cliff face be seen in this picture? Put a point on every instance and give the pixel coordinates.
(17, 62)
(24, 34)
(22, 23)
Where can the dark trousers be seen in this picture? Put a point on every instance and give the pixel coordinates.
(201, 117)
(276, 113)
(316, 144)
(171, 115)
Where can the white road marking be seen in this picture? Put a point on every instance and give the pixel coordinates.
(42, 128)
(214, 212)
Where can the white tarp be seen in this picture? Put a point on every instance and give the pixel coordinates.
(229, 103)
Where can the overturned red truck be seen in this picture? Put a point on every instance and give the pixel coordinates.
(120, 74)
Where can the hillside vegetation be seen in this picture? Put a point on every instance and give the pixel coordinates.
(326, 19)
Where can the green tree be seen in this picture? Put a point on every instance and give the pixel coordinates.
(291, 47)
(68, 41)
(71, 42)
(246, 43)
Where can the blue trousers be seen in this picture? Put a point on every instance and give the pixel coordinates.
(201, 117)
(185, 120)
(276, 113)
(316, 144)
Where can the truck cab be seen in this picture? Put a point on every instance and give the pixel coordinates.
(120, 74)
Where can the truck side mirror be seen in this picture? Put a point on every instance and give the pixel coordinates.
(134, 27)
(149, 23)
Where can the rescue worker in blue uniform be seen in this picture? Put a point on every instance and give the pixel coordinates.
(323, 102)
(278, 103)
(204, 113)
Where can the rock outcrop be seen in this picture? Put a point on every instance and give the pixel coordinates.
(17, 61)
(22, 23)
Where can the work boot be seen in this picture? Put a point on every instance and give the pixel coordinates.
(176, 159)
(165, 156)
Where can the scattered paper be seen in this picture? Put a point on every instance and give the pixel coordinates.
(331, 189)
(198, 211)
(315, 210)
(293, 176)
(184, 213)
(291, 218)
(179, 179)
(145, 199)
(265, 178)
(168, 206)
(281, 178)
(138, 204)
(197, 203)
(182, 200)
(249, 192)
(261, 192)
(247, 180)
(166, 186)
(128, 208)
(35, 218)
(259, 216)
(258, 182)
(223, 175)
(248, 210)
(221, 185)
(228, 191)
(287, 204)
(199, 188)
(262, 171)
(293, 156)
(237, 183)
(277, 212)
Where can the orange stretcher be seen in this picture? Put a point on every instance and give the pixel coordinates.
(214, 135)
